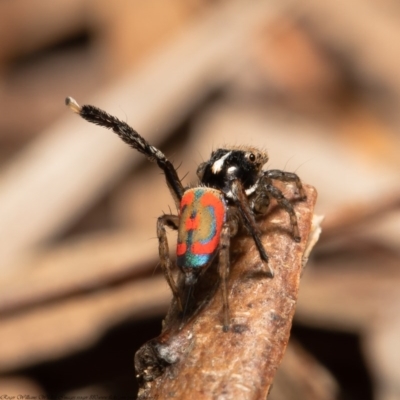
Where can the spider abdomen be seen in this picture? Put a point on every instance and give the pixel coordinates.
(202, 215)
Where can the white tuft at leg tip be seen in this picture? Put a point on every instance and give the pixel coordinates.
(73, 105)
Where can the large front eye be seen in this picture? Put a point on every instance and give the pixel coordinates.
(252, 157)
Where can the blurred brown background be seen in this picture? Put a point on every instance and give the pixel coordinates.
(315, 83)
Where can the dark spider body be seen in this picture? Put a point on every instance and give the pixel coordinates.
(226, 165)
(233, 188)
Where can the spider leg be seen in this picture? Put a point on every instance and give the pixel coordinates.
(286, 205)
(172, 222)
(223, 269)
(229, 229)
(132, 138)
(233, 220)
(241, 202)
(286, 177)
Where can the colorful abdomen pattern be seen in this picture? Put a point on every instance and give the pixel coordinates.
(202, 214)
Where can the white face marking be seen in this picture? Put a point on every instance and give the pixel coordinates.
(231, 170)
(217, 166)
(248, 191)
(251, 189)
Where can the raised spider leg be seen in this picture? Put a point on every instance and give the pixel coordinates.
(172, 222)
(241, 202)
(133, 139)
(286, 177)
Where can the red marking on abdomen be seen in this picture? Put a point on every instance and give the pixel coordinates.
(202, 212)
(181, 249)
(211, 200)
(192, 223)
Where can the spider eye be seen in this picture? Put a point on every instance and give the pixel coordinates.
(252, 157)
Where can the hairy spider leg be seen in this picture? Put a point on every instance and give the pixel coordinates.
(284, 176)
(132, 138)
(223, 270)
(172, 221)
(287, 206)
(241, 201)
(266, 187)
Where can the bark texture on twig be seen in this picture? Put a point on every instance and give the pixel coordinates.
(199, 360)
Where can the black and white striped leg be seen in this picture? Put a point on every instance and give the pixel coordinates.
(132, 138)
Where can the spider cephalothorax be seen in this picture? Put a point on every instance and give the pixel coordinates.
(233, 188)
(226, 165)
